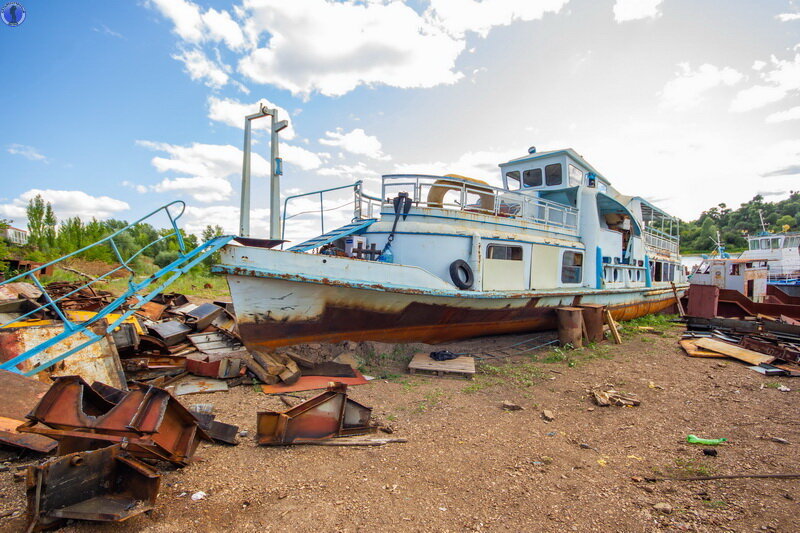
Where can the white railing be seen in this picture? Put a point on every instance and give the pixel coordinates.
(661, 241)
(458, 194)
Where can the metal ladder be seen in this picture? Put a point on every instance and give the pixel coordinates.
(325, 238)
(171, 272)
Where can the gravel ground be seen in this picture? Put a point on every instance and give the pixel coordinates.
(469, 465)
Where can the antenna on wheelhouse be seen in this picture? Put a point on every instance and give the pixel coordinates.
(763, 224)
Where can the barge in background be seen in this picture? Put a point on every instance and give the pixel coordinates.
(448, 257)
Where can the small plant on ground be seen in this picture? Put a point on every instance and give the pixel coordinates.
(429, 401)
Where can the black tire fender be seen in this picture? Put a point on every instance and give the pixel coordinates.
(459, 267)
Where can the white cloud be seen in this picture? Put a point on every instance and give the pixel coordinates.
(232, 112)
(626, 10)
(67, 204)
(200, 188)
(788, 17)
(105, 30)
(783, 116)
(296, 155)
(479, 164)
(196, 27)
(355, 142)
(205, 169)
(28, 152)
(200, 67)
(689, 86)
(481, 16)
(359, 171)
(141, 189)
(780, 79)
(333, 47)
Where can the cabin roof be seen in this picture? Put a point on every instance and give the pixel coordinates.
(568, 151)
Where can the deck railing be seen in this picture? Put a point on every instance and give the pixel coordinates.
(661, 241)
(463, 195)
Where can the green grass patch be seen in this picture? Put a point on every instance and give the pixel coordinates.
(429, 401)
(685, 468)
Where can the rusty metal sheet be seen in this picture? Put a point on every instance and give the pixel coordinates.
(327, 415)
(312, 383)
(227, 365)
(215, 342)
(18, 395)
(97, 362)
(102, 485)
(703, 300)
(152, 310)
(148, 419)
(196, 385)
(20, 289)
(171, 332)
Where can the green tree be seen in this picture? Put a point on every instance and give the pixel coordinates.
(4, 224)
(35, 212)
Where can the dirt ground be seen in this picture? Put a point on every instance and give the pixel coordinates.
(469, 465)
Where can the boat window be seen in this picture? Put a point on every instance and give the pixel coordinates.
(734, 269)
(571, 266)
(575, 175)
(512, 179)
(532, 177)
(776, 243)
(791, 242)
(754, 245)
(553, 174)
(508, 253)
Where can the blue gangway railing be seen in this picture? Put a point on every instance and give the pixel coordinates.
(171, 272)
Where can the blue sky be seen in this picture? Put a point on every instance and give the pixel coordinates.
(113, 109)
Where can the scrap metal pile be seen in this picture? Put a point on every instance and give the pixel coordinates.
(110, 411)
(770, 346)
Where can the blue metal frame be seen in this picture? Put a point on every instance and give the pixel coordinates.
(176, 268)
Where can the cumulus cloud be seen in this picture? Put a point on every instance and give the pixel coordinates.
(788, 17)
(688, 87)
(200, 67)
(333, 47)
(141, 189)
(481, 164)
(480, 17)
(198, 27)
(28, 152)
(626, 10)
(356, 142)
(204, 169)
(780, 78)
(232, 112)
(784, 116)
(67, 204)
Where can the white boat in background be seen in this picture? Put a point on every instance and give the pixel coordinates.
(782, 251)
(448, 257)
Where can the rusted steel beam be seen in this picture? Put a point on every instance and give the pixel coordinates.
(148, 419)
(327, 415)
(102, 485)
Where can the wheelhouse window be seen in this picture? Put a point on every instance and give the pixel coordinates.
(507, 253)
(575, 175)
(553, 175)
(532, 177)
(512, 180)
(571, 267)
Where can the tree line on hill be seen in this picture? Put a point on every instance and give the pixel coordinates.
(735, 225)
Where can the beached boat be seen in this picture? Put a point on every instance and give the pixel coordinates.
(448, 257)
(782, 251)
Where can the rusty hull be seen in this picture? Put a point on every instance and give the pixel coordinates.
(327, 415)
(149, 420)
(422, 321)
(103, 485)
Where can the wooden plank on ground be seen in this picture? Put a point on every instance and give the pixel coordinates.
(692, 350)
(737, 352)
(462, 365)
(613, 327)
